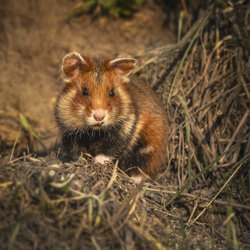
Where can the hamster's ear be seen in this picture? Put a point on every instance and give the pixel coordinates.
(123, 66)
(72, 64)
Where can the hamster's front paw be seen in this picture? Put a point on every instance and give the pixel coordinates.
(102, 159)
(137, 178)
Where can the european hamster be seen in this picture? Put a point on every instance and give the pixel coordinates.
(103, 112)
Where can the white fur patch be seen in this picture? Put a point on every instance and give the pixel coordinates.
(136, 134)
(122, 59)
(147, 150)
(102, 159)
(137, 179)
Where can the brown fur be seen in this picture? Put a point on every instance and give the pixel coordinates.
(135, 129)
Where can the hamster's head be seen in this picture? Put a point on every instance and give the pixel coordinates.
(96, 94)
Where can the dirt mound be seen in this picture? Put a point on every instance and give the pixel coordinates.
(80, 205)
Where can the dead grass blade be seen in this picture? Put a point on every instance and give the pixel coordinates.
(189, 182)
(15, 143)
(113, 177)
(188, 49)
(14, 235)
(230, 228)
(26, 125)
(223, 187)
(244, 85)
(239, 127)
(144, 234)
(187, 121)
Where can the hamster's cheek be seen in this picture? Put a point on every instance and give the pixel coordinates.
(137, 178)
(77, 119)
(112, 116)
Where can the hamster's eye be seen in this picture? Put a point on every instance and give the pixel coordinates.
(111, 93)
(85, 92)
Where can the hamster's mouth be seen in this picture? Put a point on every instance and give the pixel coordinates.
(98, 125)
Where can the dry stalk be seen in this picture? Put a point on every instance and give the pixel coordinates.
(239, 127)
(223, 187)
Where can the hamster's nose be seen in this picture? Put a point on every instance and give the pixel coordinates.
(99, 114)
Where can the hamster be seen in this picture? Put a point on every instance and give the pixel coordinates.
(109, 115)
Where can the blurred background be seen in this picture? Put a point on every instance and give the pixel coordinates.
(35, 36)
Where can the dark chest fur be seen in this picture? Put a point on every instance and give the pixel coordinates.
(107, 141)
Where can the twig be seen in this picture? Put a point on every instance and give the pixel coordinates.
(193, 210)
(97, 247)
(241, 123)
(194, 197)
(29, 156)
(201, 138)
(244, 85)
